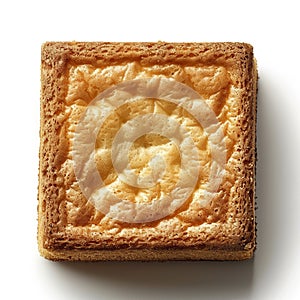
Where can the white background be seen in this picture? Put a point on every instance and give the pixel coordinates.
(272, 28)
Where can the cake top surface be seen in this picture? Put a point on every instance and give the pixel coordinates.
(147, 144)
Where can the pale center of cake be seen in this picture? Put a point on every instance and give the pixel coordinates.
(153, 158)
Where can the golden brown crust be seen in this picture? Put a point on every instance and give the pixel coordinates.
(223, 231)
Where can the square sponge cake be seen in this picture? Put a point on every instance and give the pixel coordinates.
(147, 151)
